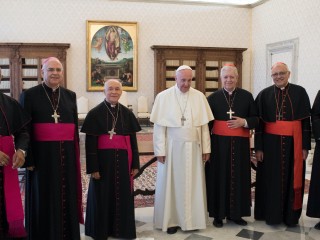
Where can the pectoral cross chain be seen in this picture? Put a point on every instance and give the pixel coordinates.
(182, 120)
(112, 132)
(230, 113)
(55, 116)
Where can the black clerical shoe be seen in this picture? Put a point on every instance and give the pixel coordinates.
(217, 223)
(291, 225)
(317, 226)
(172, 230)
(239, 221)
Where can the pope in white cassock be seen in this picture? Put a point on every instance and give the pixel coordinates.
(182, 145)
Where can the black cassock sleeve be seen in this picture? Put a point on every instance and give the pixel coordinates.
(91, 154)
(315, 117)
(135, 152)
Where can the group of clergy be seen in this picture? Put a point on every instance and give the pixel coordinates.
(41, 134)
(202, 146)
(190, 130)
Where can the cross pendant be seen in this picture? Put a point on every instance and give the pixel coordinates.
(230, 113)
(112, 132)
(182, 120)
(279, 117)
(55, 116)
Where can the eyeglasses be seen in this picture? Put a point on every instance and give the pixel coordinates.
(54, 69)
(279, 74)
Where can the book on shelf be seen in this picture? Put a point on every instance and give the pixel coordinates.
(212, 63)
(31, 61)
(30, 72)
(173, 63)
(29, 84)
(190, 63)
(5, 72)
(212, 73)
(170, 73)
(5, 85)
(4, 61)
(170, 84)
(212, 84)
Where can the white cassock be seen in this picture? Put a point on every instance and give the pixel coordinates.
(180, 198)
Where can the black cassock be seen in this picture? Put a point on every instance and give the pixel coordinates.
(51, 188)
(13, 121)
(228, 174)
(313, 207)
(274, 180)
(110, 205)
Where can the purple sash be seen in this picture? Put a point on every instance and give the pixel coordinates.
(44, 132)
(117, 142)
(12, 197)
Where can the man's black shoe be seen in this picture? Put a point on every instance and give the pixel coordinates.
(172, 230)
(291, 225)
(317, 226)
(239, 221)
(217, 223)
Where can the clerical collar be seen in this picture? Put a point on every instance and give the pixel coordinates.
(109, 104)
(229, 92)
(282, 88)
(52, 89)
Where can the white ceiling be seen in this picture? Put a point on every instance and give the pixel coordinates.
(240, 3)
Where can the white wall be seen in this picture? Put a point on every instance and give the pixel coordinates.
(64, 21)
(280, 20)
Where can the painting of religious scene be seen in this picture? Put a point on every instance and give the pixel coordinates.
(112, 53)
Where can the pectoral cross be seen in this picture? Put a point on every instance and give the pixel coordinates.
(279, 117)
(230, 113)
(112, 132)
(182, 120)
(55, 116)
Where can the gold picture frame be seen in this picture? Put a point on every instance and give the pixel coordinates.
(112, 52)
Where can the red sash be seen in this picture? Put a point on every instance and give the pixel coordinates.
(47, 132)
(12, 197)
(294, 129)
(117, 142)
(221, 128)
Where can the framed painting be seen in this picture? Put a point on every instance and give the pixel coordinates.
(112, 53)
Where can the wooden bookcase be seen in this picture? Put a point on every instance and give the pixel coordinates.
(206, 63)
(21, 64)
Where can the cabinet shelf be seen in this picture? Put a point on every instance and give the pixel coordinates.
(206, 63)
(21, 64)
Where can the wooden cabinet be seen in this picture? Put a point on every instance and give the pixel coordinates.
(21, 64)
(206, 63)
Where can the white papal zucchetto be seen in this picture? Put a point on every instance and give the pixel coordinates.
(183, 67)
